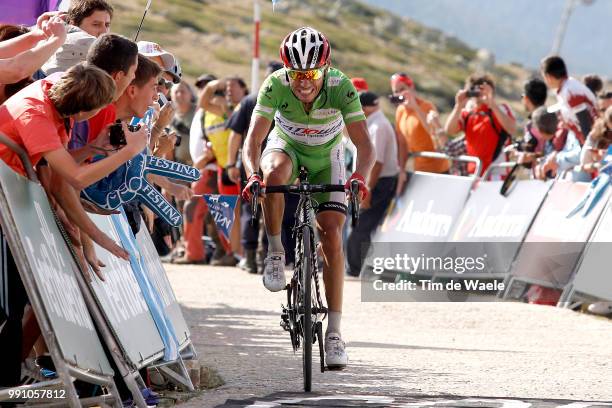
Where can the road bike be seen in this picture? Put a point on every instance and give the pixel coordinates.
(303, 315)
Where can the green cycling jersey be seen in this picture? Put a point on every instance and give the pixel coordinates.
(312, 139)
(336, 106)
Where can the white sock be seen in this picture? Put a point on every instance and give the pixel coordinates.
(275, 243)
(333, 322)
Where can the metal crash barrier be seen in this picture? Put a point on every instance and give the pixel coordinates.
(555, 241)
(425, 212)
(135, 311)
(592, 280)
(54, 285)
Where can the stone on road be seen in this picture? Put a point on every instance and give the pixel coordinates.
(489, 354)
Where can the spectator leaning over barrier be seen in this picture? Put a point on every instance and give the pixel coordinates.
(167, 61)
(21, 56)
(92, 16)
(597, 144)
(577, 104)
(382, 182)
(593, 82)
(38, 118)
(533, 96)
(411, 122)
(487, 125)
(561, 149)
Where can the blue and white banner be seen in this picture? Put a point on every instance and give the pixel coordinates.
(222, 208)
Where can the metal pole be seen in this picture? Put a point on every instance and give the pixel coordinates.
(567, 12)
(255, 64)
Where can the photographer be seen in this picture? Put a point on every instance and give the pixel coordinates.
(415, 120)
(487, 125)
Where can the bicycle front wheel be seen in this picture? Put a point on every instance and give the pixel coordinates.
(306, 279)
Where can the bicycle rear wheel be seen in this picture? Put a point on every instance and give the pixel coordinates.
(307, 308)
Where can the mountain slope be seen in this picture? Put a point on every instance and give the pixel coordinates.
(216, 37)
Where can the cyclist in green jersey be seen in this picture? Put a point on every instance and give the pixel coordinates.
(310, 103)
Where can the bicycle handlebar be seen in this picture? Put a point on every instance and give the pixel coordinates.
(353, 191)
(303, 188)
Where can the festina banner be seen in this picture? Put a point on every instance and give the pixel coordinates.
(222, 208)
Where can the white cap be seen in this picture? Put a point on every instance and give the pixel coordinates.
(171, 64)
(73, 51)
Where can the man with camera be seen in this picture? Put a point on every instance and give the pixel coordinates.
(486, 124)
(414, 123)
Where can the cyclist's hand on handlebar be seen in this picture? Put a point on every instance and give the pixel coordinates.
(363, 189)
(247, 194)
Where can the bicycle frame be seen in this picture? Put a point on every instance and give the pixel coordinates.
(303, 315)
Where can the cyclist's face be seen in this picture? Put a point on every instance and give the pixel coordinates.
(306, 90)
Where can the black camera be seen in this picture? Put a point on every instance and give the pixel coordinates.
(177, 143)
(473, 92)
(527, 146)
(117, 136)
(396, 99)
(219, 92)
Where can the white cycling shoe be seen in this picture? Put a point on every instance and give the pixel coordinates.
(335, 352)
(274, 272)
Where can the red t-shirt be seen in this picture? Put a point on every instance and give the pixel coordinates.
(106, 116)
(481, 138)
(30, 119)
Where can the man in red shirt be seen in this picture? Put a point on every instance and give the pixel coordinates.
(487, 125)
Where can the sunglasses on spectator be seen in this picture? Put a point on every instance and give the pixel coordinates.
(310, 75)
(164, 83)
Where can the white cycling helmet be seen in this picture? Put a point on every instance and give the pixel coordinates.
(304, 49)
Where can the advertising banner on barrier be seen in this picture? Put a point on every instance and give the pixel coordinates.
(555, 241)
(427, 210)
(53, 270)
(593, 278)
(423, 215)
(157, 273)
(495, 225)
(121, 301)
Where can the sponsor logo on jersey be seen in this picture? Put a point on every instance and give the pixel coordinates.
(334, 81)
(309, 134)
(324, 113)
